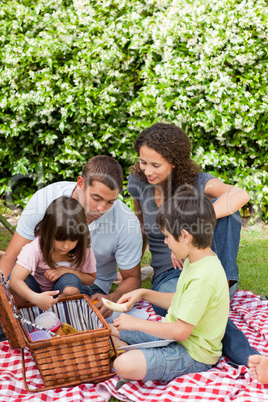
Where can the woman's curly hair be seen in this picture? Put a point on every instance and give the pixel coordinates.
(175, 147)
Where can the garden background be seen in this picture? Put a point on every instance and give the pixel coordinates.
(84, 77)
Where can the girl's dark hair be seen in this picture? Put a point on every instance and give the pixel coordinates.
(189, 210)
(175, 147)
(64, 219)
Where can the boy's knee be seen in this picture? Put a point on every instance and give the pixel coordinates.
(122, 365)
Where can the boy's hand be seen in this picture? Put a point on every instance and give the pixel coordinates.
(126, 322)
(131, 298)
(45, 300)
(176, 262)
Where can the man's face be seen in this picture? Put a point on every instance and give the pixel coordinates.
(96, 199)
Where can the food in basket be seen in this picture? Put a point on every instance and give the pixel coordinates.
(48, 320)
(68, 329)
(119, 307)
(39, 335)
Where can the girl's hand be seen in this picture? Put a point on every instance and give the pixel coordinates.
(176, 262)
(126, 322)
(46, 300)
(54, 274)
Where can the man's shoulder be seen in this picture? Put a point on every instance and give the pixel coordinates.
(122, 211)
(60, 187)
(46, 194)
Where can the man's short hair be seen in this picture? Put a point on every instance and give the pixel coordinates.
(191, 211)
(104, 169)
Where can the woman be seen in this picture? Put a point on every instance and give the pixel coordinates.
(165, 167)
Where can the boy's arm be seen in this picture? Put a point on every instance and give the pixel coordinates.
(179, 330)
(159, 299)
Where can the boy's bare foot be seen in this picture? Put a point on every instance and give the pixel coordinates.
(258, 365)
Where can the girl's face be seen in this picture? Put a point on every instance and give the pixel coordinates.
(64, 246)
(154, 166)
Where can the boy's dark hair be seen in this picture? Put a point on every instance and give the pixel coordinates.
(104, 169)
(64, 219)
(191, 211)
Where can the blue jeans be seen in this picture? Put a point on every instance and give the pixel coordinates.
(226, 240)
(91, 290)
(164, 363)
(61, 283)
(64, 281)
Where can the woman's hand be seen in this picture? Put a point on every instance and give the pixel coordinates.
(45, 300)
(175, 262)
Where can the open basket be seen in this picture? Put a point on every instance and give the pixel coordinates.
(66, 360)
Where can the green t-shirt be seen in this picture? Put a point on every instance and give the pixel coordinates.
(202, 299)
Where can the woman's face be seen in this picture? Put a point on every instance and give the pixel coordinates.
(154, 166)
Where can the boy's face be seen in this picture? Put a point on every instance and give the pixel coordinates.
(178, 247)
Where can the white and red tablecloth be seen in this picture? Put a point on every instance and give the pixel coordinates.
(224, 383)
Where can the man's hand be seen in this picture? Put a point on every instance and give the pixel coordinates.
(103, 310)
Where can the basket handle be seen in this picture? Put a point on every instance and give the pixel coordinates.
(24, 376)
(114, 348)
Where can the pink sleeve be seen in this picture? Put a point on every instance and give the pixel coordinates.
(90, 263)
(29, 256)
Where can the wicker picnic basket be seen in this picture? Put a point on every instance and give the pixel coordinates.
(66, 360)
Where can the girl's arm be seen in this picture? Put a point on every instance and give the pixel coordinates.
(179, 330)
(230, 198)
(54, 274)
(138, 213)
(43, 300)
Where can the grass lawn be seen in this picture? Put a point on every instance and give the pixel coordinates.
(252, 260)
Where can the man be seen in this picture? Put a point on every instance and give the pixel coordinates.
(115, 231)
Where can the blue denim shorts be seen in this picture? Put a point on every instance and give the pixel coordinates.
(164, 363)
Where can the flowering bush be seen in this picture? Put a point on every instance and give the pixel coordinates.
(84, 77)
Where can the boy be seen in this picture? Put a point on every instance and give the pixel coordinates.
(197, 311)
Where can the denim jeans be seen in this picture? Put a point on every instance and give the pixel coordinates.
(61, 283)
(164, 363)
(91, 290)
(64, 281)
(226, 240)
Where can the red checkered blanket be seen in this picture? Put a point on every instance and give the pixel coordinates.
(223, 383)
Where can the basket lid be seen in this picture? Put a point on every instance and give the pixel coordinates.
(9, 324)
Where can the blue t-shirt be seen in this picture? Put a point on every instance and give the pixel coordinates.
(116, 237)
(144, 194)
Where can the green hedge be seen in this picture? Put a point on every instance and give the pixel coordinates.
(84, 77)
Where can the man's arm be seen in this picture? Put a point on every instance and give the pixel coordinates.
(8, 260)
(131, 279)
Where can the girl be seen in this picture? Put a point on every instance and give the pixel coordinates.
(59, 260)
(164, 167)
